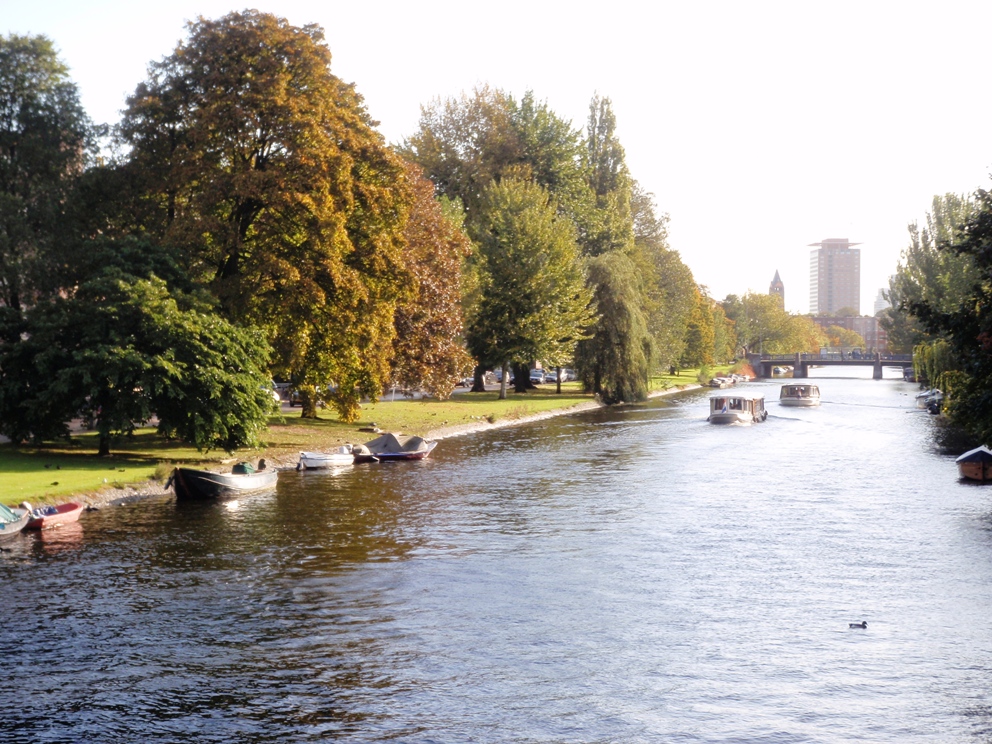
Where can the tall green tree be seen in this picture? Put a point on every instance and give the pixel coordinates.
(610, 181)
(615, 361)
(533, 302)
(965, 324)
(926, 274)
(266, 171)
(45, 142)
(667, 289)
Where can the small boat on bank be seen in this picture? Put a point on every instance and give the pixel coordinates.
(393, 447)
(46, 517)
(343, 455)
(12, 522)
(200, 485)
(737, 409)
(804, 395)
(976, 464)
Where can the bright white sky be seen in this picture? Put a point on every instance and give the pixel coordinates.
(760, 127)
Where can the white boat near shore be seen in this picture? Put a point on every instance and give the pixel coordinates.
(318, 460)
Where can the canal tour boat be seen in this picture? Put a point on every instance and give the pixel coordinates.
(804, 395)
(976, 464)
(737, 409)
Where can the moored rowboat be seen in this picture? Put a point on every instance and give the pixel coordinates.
(317, 460)
(12, 522)
(46, 517)
(192, 485)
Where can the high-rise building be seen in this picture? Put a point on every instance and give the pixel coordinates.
(882, 301)
(777, 289)
(834, 277)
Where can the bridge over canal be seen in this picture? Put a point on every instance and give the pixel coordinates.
(763, 364)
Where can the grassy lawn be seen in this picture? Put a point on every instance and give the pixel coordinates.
(53, 472)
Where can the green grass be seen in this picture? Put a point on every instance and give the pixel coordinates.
(55, 471)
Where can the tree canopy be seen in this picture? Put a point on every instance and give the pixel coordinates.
(265, 170)
(532, 298)
(45, 141)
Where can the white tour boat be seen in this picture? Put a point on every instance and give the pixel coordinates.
(737, 409)
(803, 395)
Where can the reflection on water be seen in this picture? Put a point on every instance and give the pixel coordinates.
(627, 575)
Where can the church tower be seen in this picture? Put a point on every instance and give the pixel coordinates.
(778, 289)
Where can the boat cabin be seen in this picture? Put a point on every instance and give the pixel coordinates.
(796, 394)
(737, 409)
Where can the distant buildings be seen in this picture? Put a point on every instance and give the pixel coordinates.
(866, 326)
(882, 301)
(834, 277)
(777, 289)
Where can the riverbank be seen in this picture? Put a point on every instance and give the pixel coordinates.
(141, 465)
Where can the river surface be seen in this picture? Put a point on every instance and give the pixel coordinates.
(616, 576)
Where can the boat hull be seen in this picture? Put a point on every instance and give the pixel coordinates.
(64, 514)
(365, 454)
(976, 465)
(976, 471)
(10, 530)
(733, 417)
(323, 460)
(206, 485)
(799, 402)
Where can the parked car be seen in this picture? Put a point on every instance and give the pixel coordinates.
(537, 376)
(552, 376)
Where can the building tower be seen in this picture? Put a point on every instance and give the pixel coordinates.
(778, 289)
(834, 276)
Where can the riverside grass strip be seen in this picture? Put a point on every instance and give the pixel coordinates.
(56, 471)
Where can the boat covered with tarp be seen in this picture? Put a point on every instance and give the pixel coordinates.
(392, 446)
(976, 464)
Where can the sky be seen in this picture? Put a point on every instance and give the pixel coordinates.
(760, 127)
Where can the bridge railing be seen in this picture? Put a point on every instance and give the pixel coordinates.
(835, 356)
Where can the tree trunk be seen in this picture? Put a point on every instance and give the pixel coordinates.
(504, 378)
(558, 380)
(104, 450)
(479, 383)
(521, 379)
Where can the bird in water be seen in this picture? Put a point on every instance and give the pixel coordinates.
(862, 624)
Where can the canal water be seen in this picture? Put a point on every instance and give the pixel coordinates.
(617, 576)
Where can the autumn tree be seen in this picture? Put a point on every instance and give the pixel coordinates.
(428, 349)
(839, 336)
(700, 335)
(266, 171)
(45, 141)
(532, 299)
